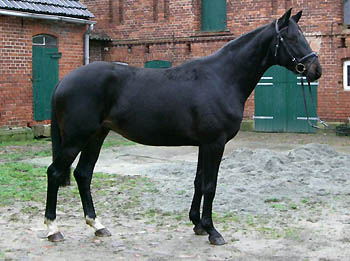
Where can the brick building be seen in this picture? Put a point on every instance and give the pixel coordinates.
(156, 32)
(40, 42)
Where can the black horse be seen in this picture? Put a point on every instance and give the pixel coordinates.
(199, 103)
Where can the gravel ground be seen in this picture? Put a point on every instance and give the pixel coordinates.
(279, 197)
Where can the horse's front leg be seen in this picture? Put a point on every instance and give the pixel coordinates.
(212, 154)
(197, 198)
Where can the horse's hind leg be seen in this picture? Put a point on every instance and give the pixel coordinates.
(83, 175)
(55, 176)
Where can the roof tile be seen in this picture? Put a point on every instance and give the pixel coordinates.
(73, 8)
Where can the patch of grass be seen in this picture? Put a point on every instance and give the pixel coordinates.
(280, 207)
(115, 142)
(273, 232)
(25, 142)
(18, 150)
(181, 192)
(293, 206)
(305, 201)
(227, 218)
(283, 204)
(272, 200)
(20, 181)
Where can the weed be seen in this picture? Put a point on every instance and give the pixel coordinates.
(293, 206)
(272, 200)
(280, 207)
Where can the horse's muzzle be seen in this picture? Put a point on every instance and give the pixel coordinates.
(314, 71)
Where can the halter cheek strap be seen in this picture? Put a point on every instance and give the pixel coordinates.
(299, 65)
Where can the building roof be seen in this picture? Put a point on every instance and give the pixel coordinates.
(99, 36)
(70, 8)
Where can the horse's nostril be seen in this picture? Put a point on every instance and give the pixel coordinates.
(318, 72)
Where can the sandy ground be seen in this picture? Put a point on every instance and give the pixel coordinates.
(279, 197)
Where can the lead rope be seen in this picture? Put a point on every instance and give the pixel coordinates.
(313, 105)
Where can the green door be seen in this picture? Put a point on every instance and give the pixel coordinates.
(279, 103)
(158, 64)
(45, 74)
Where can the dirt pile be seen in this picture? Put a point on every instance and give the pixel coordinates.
(249, 178)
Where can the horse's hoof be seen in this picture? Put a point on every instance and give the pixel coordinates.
(217, 240)
(57, 237)
(199, 230)
(103, 232)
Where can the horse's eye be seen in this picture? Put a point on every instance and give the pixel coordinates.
(292, 38)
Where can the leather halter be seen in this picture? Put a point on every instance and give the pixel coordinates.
(299, 65)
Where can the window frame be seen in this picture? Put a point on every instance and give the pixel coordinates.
(346, 77)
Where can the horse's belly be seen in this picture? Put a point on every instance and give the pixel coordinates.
(156, 135)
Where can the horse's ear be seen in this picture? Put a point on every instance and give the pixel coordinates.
(284, 20)
(296, 17)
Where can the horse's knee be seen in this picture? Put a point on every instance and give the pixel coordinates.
(209, 190)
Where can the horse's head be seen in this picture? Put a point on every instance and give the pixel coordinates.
(292, 50)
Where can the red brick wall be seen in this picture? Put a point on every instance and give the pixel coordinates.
(147, 30)
(168, 34)
(16, 96)
(143, 24)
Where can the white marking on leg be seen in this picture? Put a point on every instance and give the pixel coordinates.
(94, 223)
(52, 227)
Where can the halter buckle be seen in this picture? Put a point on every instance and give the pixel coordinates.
(300, 68)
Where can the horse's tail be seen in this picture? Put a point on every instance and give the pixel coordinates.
(56, 139)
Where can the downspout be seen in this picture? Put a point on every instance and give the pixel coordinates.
(87, 44)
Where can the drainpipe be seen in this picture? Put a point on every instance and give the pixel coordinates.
(87, 45)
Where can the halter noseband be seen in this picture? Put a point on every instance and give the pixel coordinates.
(299, 65)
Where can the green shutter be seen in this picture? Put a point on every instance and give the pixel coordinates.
(213, 15)
(158, 64)
(279, 102)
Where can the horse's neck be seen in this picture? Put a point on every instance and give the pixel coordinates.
(248, 59)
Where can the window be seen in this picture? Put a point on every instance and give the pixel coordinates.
(346, 75)
(213, 15)
(45, 41)
(158, 64)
